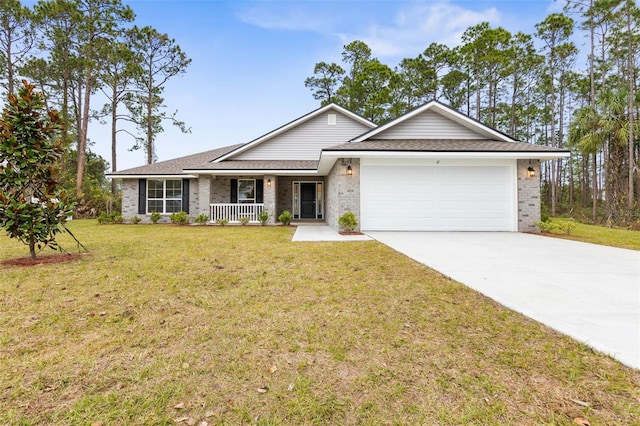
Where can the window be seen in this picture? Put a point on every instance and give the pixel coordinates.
(246, 191)
(164, 196)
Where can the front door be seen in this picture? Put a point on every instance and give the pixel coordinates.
(308, 200)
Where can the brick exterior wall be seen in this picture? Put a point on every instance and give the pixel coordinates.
(342, 191)
(130, 201)
(204, 196)
(269, 198)
(130, 198)
(528, 196)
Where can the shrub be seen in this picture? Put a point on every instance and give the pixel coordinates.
(285, 218)
(348, 221)
(179, 218)
(155, 217)
(103, 218)
(544, 217)
(635, 226)
(545, 227)
(136, 220)
(244, 220)
(201, 219)
(567, 227)
(263, 217)
(222, 221)
(110, 218)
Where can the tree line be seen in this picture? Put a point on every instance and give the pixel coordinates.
(74, 50)
(531, 87)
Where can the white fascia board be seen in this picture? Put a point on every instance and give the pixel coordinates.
(446, 154)
(256, 172)
(189, 176)
(444, 111)
(291, 125)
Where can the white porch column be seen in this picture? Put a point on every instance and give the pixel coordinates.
(270, 190)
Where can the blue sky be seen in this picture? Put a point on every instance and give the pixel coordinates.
(250, 59)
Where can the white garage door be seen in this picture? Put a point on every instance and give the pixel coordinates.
(422, 195)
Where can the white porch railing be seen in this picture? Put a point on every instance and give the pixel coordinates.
(234, 212)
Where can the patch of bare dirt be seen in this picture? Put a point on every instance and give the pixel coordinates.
(42, 259)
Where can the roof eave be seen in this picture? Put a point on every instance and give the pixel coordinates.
(152, 176)
(255, 172)
(523, 155)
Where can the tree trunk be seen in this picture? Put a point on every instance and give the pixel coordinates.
(114, 115)
(149, 131)
(9, 63)
(82, 140)
(630, 77)
(594, 172)
(32, 247)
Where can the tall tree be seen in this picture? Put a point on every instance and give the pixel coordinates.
(325, 80)
(122, 69)
(555, 30)
(355, 56)
(17, 40)
(77, 29)
(162, 59)
(630, 11)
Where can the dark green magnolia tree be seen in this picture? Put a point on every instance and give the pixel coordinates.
(32, 207)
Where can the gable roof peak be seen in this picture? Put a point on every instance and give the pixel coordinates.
(298, 121)
(445, 111)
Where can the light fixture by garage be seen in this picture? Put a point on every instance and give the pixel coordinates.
(349, 170)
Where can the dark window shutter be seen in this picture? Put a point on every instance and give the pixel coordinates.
(142, 196)
(185, 195)
(259, 190)
(234, 191)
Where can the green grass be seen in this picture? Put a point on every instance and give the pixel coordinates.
(597, 234)
(238, 325)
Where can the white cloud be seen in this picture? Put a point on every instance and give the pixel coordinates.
(412, 27)
(417, 26)
(296, 18)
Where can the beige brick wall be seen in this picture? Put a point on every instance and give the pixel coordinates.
(269, 198)
(528, 196)
(342, 191)
(130, 198)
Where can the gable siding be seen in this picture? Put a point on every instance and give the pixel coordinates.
(305, 141)
(429, 125)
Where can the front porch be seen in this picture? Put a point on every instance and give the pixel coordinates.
(234, 198)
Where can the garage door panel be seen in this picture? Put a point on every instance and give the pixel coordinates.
(451, 198)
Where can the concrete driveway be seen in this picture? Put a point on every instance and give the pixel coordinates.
(587, 291)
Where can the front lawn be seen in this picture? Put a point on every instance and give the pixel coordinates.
(597, 234)
(232, 325)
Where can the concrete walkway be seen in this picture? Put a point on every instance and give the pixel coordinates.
(587, 291)
(324, 233)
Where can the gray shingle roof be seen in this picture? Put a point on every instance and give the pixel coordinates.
(442, 145)
(177, 165)
(258, 165)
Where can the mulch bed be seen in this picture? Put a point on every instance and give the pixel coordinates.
(42, 259)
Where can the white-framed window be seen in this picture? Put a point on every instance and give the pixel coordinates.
(247, 191)
(164, 195)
